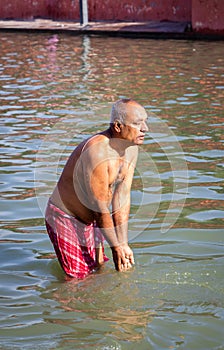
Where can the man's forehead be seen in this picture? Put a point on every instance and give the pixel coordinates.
(135, 110)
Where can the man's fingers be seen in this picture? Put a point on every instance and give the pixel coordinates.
(120, 265)
(132, 260)
(123, 260)
(118, 258)
(124, 263)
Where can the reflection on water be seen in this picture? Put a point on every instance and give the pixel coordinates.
(55, 91)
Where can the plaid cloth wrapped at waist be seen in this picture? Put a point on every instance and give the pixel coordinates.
(74, 242)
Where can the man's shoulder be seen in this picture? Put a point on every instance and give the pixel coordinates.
(95, 147)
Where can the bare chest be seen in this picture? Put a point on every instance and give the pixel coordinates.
(117, 169)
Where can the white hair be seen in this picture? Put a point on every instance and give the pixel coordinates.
(119, 111)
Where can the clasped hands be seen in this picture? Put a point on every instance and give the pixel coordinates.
(123, 257)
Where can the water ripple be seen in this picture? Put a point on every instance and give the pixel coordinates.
(173, 298)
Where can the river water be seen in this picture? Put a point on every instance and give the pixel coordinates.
(54, 92)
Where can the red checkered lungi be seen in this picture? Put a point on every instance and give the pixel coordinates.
(74, 242)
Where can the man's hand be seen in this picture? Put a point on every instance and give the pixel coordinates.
(123, 257)
(118, 257)
(128, 253)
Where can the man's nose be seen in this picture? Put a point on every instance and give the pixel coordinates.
(144, 127)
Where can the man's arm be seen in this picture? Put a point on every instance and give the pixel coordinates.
(98, 191)
(121, 211)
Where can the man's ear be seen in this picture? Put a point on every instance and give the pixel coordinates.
(117, 126)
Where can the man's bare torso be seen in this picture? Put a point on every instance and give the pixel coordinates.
(73, 193)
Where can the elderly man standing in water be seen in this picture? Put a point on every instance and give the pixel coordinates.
(91, 201)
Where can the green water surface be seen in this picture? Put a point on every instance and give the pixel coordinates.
(54, 92)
